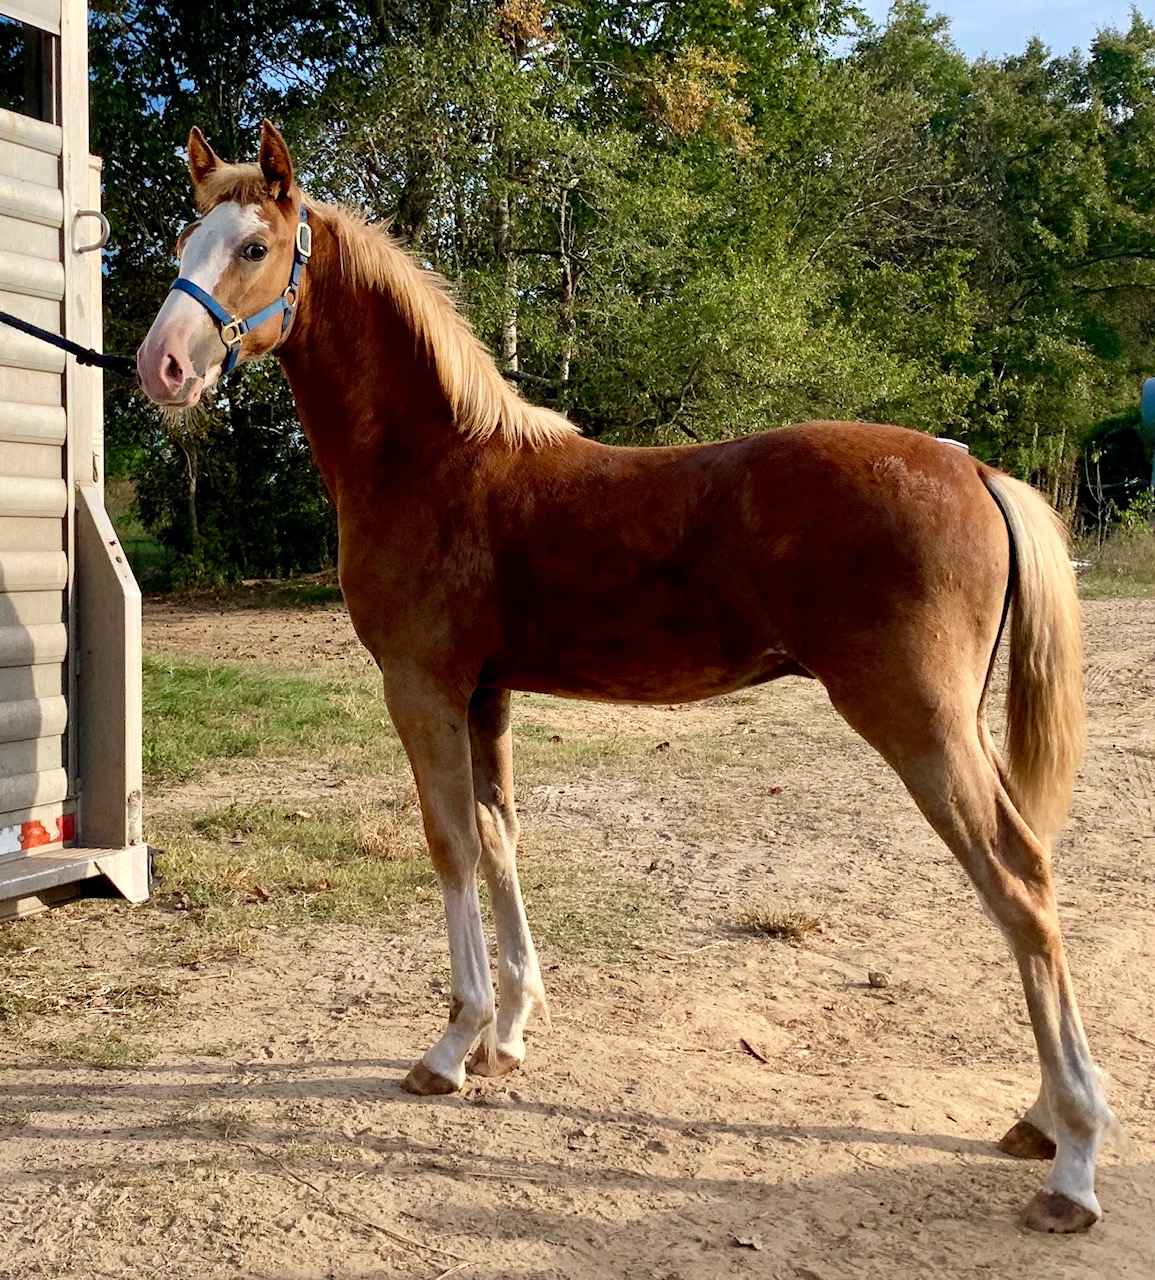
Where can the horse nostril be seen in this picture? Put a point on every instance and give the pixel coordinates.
(173, 371)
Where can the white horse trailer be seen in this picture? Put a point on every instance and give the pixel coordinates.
(70, 714)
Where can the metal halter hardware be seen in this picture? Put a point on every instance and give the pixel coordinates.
(232, 329)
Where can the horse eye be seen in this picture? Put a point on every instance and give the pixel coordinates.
(254, 252)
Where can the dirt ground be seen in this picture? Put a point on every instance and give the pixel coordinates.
(269, 1137)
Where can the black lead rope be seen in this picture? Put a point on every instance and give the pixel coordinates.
(125, 365)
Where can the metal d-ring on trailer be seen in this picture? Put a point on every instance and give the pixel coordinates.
(70, 715)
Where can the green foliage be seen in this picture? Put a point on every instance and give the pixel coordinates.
(261, 507)
(673, 221)
(1120, 561)
(1134, 520)
(157, 69)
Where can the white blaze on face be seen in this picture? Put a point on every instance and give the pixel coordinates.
(215, 239)
(183, 326)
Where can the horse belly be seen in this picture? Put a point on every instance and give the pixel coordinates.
(647, 647)
(623, 685)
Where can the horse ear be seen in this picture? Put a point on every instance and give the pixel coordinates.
(275, 162)
(202, 159)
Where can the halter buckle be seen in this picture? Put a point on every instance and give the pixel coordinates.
(232, 333)
(304, 240)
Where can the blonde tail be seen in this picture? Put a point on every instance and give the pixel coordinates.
(1045, 730)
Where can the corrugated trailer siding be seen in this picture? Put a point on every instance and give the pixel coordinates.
(44, 14)
(33, 492)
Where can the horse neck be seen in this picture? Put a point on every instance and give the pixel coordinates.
(366, 395)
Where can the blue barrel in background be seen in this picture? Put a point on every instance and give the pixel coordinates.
(1147, 421)
(1147, 411)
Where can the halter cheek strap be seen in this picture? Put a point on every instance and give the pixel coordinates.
(232, 329)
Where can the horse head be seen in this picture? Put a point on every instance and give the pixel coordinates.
(241, 268)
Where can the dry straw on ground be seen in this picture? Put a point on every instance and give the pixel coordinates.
(789, 925)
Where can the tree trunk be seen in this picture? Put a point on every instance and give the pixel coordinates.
(416, 197)
(190, 460)
(504, 252)
(566, 319)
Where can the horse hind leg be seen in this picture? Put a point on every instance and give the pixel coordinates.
(941, 757)
(1011, 870)
(520, 988)
(1032, 1137)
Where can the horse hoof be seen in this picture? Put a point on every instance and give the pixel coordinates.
(497, 1063)
(1025, 1142)
(427, 1083)
(1053, 1211)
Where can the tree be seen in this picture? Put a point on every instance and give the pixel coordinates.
(157, 69)
(673, 219)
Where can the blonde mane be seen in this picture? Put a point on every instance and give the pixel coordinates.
(484, 404)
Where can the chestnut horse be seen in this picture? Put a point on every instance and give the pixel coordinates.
(486, 546)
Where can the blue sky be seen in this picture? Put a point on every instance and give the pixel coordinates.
(1000, 27)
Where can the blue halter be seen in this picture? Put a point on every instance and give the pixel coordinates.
(232, 329)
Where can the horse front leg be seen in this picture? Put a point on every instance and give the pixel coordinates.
(518, 973)
(434, 728)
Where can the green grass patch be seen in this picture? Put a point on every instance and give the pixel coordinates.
(246, 866)
(15, 1008)
(232, 871)
(37, 980)
(198, 713)
(20, 936)
(544, 753)
(575, 913)
(31, 988)
(1097, 586)
(548, 752)
(109, 1051)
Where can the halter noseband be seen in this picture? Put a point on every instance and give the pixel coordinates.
(232, 329)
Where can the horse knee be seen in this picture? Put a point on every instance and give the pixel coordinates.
(499, 830)
(455, 859)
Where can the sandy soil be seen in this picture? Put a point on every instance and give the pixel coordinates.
(270, 1137)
